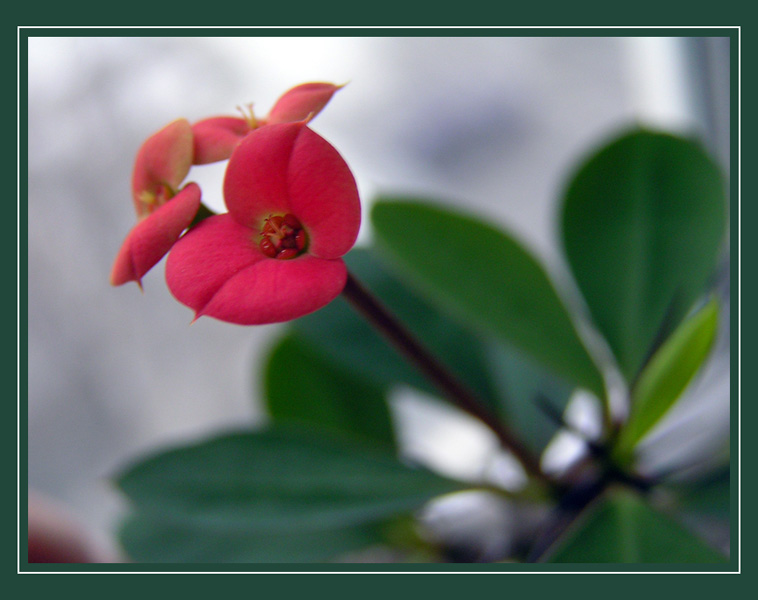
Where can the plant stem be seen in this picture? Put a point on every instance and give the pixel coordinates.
(403, 341)
(574, 499)
(571, 503)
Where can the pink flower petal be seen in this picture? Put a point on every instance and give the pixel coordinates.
(274, 291)
(217, 137)
(152, 237)
(207, 257)
(255, 184)
(163, 160)
(301, 102)
(323, 195)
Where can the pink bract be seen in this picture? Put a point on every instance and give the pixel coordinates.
(301, 102)
(163, 210)
(152, 237)
(162, 163)
(282, 180)
(215, 138)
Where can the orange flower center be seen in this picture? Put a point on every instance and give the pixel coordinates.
(283, 237)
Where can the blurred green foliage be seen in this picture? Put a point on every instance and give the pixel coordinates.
(642, 223)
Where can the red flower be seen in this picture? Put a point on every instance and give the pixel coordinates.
(164, 211)
(216, 138)
(275, 256)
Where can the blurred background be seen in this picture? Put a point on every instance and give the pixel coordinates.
(492, 125)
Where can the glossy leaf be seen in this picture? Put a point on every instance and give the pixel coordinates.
(667, 375)
(622, 528)
(487, 278)
(147, 538)
(643, 220)
(278, 480)
(348, 340)
(302, 386)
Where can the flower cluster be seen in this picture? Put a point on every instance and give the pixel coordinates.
(293, 212)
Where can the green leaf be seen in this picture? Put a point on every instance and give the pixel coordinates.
(643, 220)
(621, 528)
(147, 538)
(277, 480)
(710, 495)
(667, 375)
(301, 386)
(348, 340)
(488, 279)
(530, 395)
(506, 381)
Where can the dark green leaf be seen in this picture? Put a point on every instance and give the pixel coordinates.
(710, 495)
(147, 538)
(642, 223)
(667, 374)
(533, 399)
(351, 342)
(488, 279)
(278, 480)
(301, 386)
(621, 528)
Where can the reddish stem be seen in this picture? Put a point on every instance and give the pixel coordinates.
(403, 341)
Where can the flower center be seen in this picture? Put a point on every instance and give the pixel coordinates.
(283, 237)
(150, 200)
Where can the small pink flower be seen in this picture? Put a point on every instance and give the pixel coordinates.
(216, 137)
(276, 255)
(162, 163)
(163, 210)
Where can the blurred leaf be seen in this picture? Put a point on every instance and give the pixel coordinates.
(301, 386)
(530, 393)
(642, 223)
(621, 528)
(488, 279)
(148, 538)
(277, 480)
(346, 338)
(504, 379)
(710, 495)
(667, 375)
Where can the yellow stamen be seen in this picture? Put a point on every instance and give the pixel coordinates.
(248, 115)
